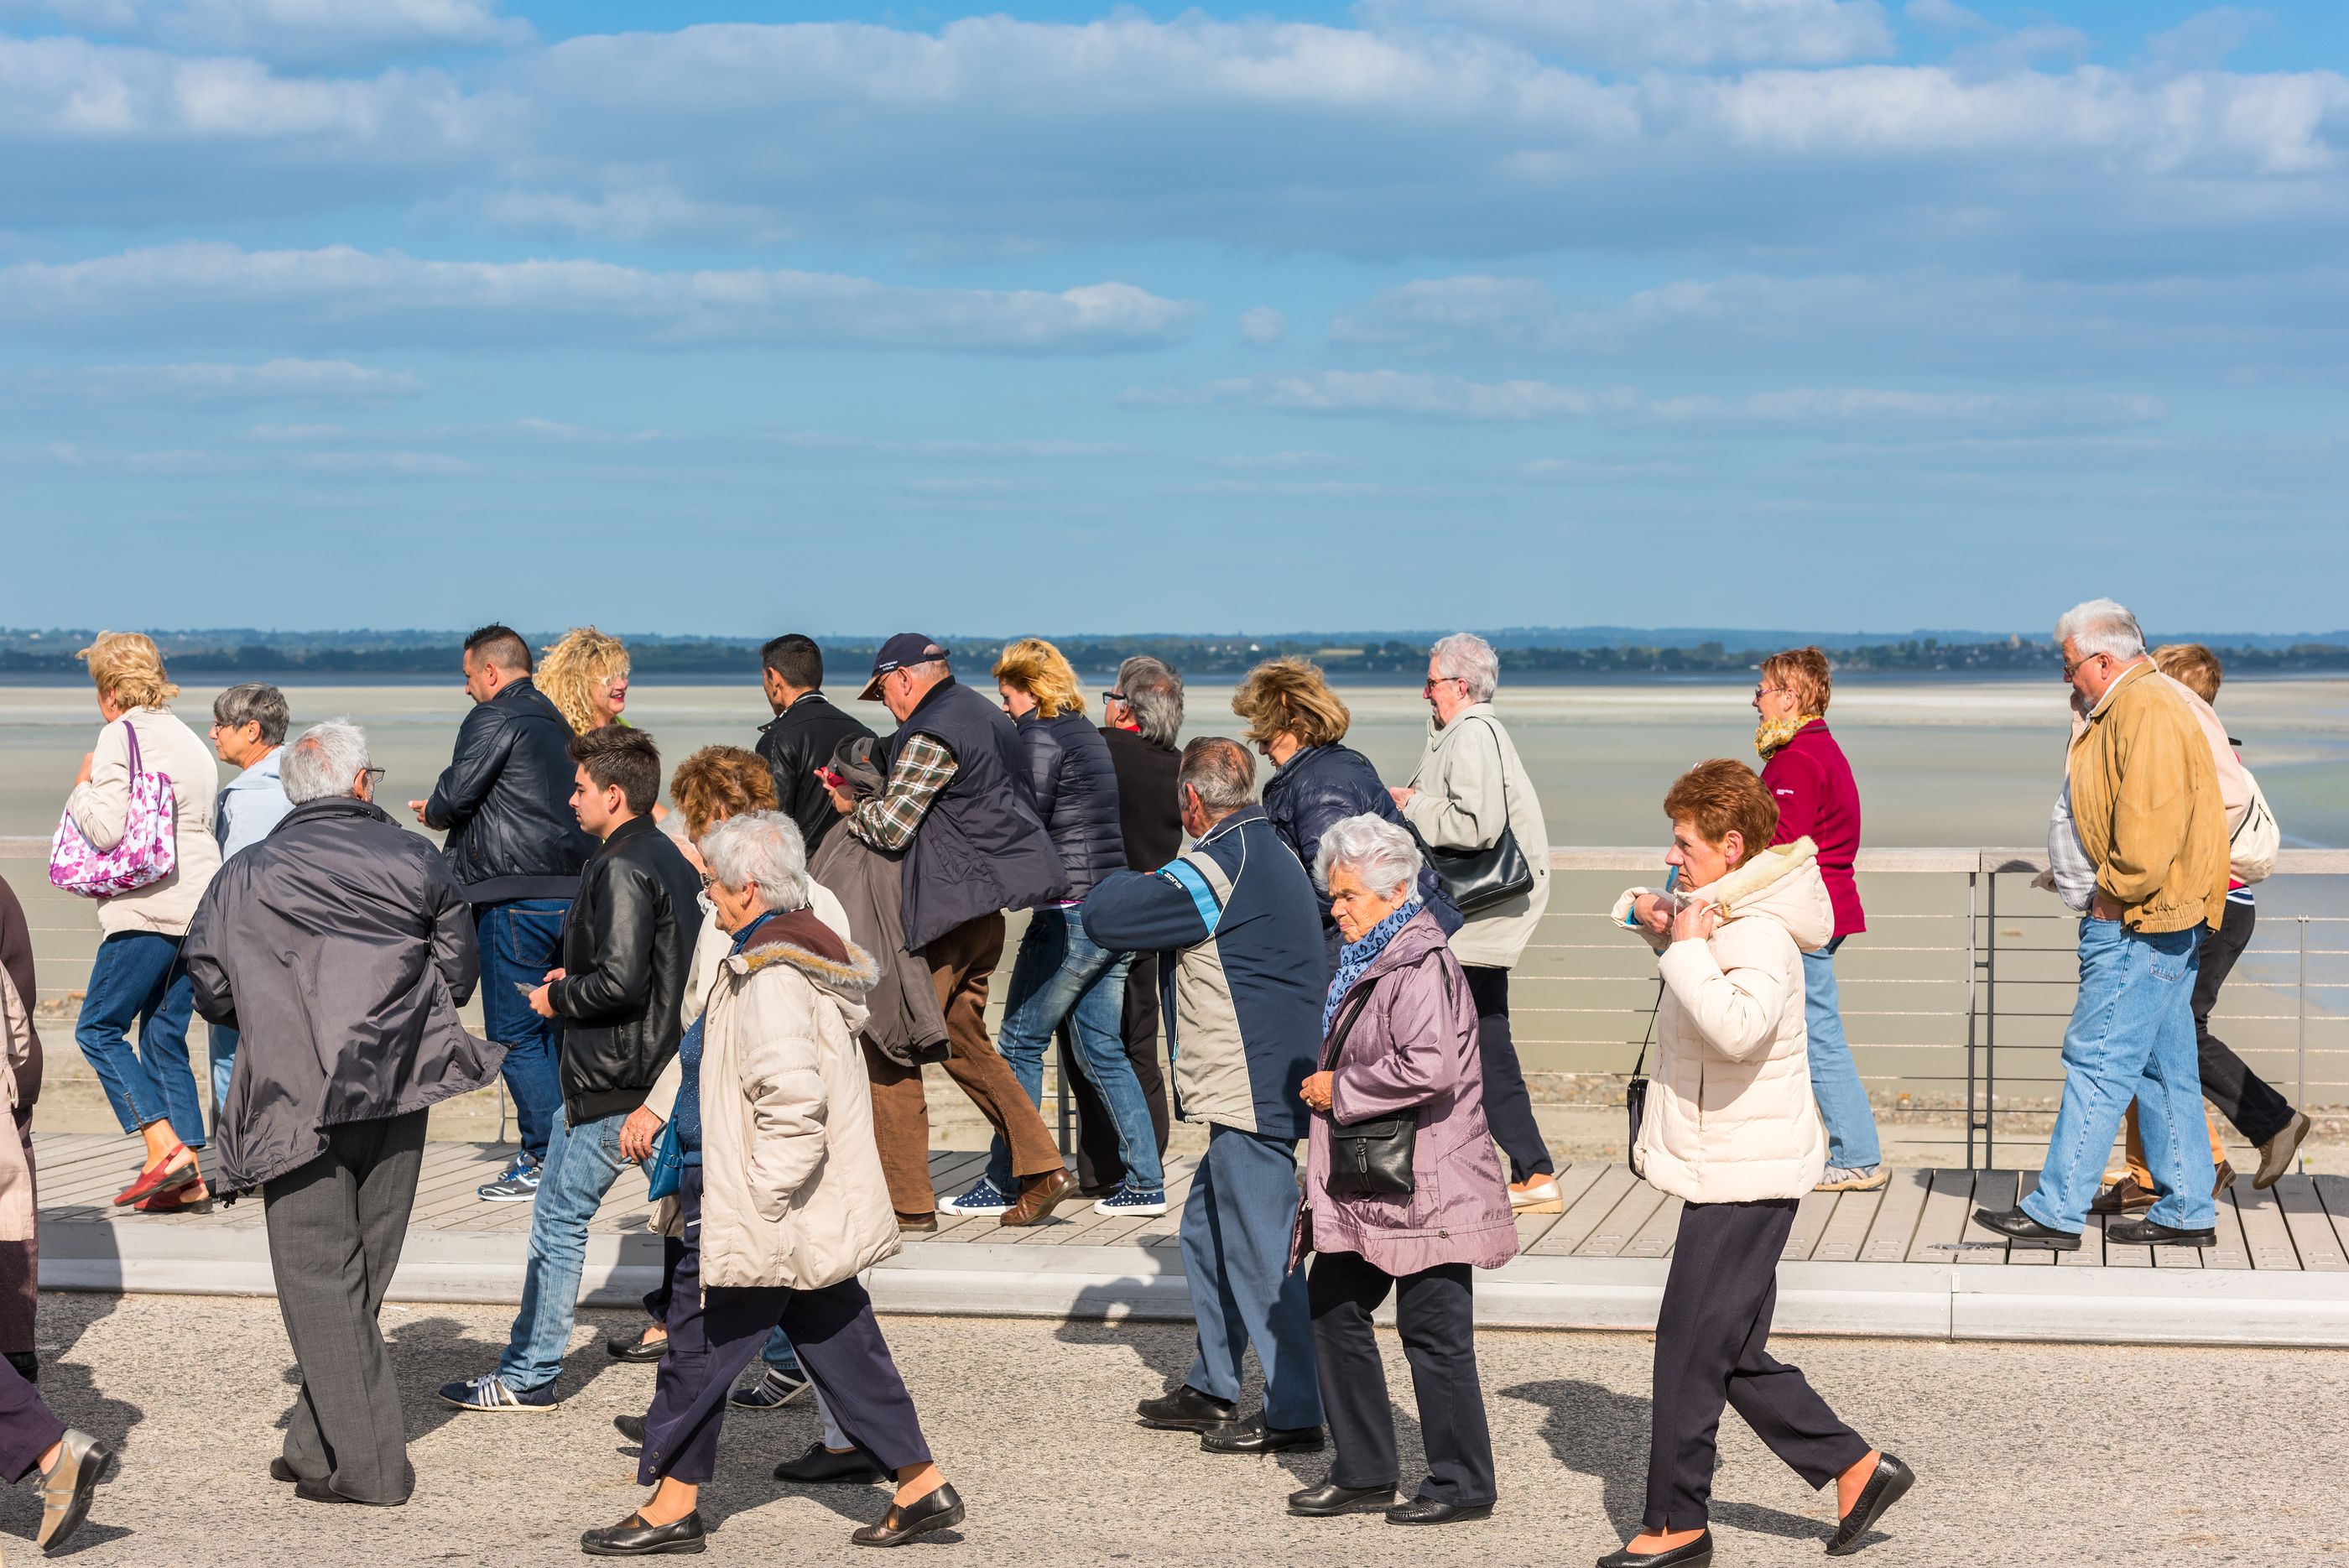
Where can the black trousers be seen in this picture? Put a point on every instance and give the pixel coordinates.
(1508, 1108)
(1434, 1315)
(1711, 1339)
(335, 1229)
(1098, 1165)
(2242, 1096)
(28, 1426)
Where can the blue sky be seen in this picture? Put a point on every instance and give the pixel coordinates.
(1845, 314)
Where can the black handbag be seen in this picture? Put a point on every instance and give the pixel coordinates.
(1368, 1158)
(1635, 1091)
(1480, 879)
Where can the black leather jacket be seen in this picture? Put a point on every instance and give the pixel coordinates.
(1074, 786)
(628, 946)
(795, 742)
(1319, 788)
(505, 801)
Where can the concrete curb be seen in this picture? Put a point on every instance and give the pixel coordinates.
(1903, 1301)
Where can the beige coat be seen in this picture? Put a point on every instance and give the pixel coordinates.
(101, 809)
(17, 1221)
(1458, 806)
(791, 1189)
(1730, 1117)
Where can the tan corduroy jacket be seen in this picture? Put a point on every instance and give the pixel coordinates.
(2146, 805)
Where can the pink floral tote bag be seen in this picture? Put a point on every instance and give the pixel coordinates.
(146, 852)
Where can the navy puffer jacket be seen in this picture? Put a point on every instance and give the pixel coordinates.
(1321, 786)
(1075, 786)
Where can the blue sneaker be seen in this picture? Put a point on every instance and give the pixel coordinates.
(518, 1185)
(775, 1388)
(1131, 1199)
(488, 1393)
(986, 1198)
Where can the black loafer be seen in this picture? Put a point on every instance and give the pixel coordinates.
(1696, 1553)
(2025, 1231)
(630, 1426)
(1892, 1480)
(637, 1348)
(632, 1537)
(2154, 1233)
(1253, 1436)
(1187, 1410)
(279, 1470)
(1329, 1498)
(939, 1510)
(819, 1467)
(1432, 1511)
(317, 1490)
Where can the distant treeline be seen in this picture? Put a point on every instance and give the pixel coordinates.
(433, 653)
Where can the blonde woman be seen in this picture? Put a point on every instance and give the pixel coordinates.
(1060, 974)
(585, 676)
(139, 976)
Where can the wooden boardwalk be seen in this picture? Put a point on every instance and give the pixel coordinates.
(2302, 1225)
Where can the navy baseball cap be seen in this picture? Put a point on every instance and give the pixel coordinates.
(906, 647)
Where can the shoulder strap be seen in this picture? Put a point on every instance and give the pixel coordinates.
(1649, 1036)
(1346, 1016)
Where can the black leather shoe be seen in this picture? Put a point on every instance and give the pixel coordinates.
(1329, 1498)
(1697, 1553)
(310, 1490)
(1185, 1410)
(2025, 1231)
(1431, 1511)
(637, 1348)
(1886, 1486)
(939, 1510)
(1254, 1436)
(630, 1426)
(2154, 1233)
(632, 1537)
(279, 1470)
(820, 1466)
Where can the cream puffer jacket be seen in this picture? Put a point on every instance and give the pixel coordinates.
(791, 1189)
(1730, 1116)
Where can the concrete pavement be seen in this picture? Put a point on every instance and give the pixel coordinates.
(2235, 1452)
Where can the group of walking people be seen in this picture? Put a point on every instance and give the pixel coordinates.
(740, 996)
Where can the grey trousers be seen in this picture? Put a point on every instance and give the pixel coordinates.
(335, 1226)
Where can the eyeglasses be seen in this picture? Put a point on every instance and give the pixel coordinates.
(2071, 668)
(1113, 697)
(374, 776)
(1770, 690)
(1427, 687)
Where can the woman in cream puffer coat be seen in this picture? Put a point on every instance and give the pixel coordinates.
(1731, 1128)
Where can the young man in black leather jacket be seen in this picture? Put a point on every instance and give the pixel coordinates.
(627, 947)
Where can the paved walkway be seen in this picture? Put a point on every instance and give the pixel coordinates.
(1906, 1260)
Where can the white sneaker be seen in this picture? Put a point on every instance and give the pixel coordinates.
(986, 1198)
(1850, 1178)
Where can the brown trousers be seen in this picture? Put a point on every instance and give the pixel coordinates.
(961, 962)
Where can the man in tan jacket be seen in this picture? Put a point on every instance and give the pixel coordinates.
(2138, 845)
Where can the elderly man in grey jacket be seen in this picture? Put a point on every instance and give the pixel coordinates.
(341, 948)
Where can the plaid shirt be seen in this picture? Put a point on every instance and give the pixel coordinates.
(887, 820)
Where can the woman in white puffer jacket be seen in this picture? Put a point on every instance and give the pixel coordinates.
(1730, 1127)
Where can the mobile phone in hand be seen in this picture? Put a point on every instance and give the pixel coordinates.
(525, 987)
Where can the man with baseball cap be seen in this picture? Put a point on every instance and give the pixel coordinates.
(956, 807)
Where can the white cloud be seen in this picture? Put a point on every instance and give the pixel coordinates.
(1392, 392)
(301, 30)
(2205, 39)
(1263, 326)
(197, 289)
(304, 381)
(1446, 313)
(393, 464)
(1937, 413)
(1946, 17)
(1626, 35)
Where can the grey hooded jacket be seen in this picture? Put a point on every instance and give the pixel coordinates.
(341, 947)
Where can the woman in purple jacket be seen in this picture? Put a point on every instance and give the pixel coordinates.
(1400, 1034)
(1806, 774)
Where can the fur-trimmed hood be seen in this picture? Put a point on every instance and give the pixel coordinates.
(1782, 883)
(799, 941)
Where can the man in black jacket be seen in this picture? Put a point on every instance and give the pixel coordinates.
(627, 947)
(804, 734)
(516, 851)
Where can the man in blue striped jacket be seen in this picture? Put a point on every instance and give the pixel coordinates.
(1241, 930)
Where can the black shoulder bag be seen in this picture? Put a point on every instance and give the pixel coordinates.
(1635, 1091)
(1367, 1158)
(1480, 879)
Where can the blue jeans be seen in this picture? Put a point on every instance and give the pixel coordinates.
(139, 976)
(1237, 1225)
(220, 1052)
(1835, 1079)
(1060, 973)
(582, 1163)
(2132, 1034)
(520, 941)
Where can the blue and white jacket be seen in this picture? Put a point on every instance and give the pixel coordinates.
(1238, 919)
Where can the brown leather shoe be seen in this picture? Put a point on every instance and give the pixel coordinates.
(1038, 1196)
(2125, 1197)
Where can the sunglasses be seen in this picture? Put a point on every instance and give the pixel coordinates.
(1113, 697)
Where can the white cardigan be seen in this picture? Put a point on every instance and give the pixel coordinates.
(1458, 806)
(1730, 1117)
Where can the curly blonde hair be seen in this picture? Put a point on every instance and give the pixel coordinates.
(574, 672)
(127, 667)
(1290, 697)
(1042, 671)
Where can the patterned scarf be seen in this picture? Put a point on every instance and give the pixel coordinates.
(1771, 735)
(1356, 957)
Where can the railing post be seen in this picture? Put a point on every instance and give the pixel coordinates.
(2302, 1099)
(1974, 967)
(1990, 1028)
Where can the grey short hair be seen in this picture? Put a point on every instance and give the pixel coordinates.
(323, 761)
(253, 703)
(2101, 625)
(1469, 658)
(1155, 693)
(1220, 770)
(764, 847)
(1386, 858)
